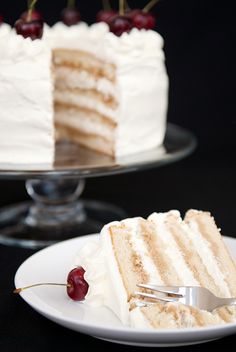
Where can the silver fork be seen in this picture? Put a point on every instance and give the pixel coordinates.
(195, 296)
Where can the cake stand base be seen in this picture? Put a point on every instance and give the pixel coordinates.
(15, 229)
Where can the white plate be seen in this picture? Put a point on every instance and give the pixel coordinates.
(53, 264)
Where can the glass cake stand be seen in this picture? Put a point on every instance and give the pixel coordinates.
(56, 212)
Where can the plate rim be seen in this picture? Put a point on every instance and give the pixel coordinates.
(124, 331)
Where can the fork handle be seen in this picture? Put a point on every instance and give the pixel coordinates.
(230, 301)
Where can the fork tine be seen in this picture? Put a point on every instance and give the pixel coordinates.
(153, 296)
(161, 289)
(143, 303)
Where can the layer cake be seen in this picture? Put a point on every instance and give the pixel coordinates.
(83, 84)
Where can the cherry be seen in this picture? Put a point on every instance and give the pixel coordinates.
(77, 286)
(35, 15)
(120, 24)
(1, 19)
(70, 16)
(142, 20)
(105, 15)
(29, 29)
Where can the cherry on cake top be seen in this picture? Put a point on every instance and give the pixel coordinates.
(120, 24)
(1, 18)
(29, 29)
(141, 19)
(70, 15)
(127, 19)
(30, 24)
(105, 15)
(36, 15)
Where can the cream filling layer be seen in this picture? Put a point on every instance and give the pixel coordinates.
(72, 78)
(76, 99)
(84, 122)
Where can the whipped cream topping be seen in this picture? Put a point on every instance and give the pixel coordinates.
(91, 258)
(4, 29)
(98, 40)
(102, 274)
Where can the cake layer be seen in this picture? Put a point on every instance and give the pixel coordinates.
(90, 141)
(171, 315)
(85, 61)
(85, 121)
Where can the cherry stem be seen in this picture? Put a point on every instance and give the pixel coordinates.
(31, 5)
(18, 290)
(106, 5)
(71, 4)
(150, 5)
(122, 6)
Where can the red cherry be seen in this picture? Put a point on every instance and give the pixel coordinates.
(1, 18)
(77, 286)
(31, 29)
(35, 16)
(105, 15)
(70, 16)
(120, 24)
(142, 20)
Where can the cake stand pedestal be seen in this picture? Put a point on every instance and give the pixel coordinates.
(57, 212)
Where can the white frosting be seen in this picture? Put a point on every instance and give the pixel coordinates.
(26, 96)
(81, 37)
(103, 276)
(4, 29)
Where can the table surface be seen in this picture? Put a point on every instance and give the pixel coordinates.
(200, 181)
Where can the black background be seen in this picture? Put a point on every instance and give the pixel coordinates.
(200, 57)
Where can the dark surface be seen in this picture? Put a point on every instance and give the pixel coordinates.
(200, 40)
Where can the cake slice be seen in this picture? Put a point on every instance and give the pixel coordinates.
(165, 250)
